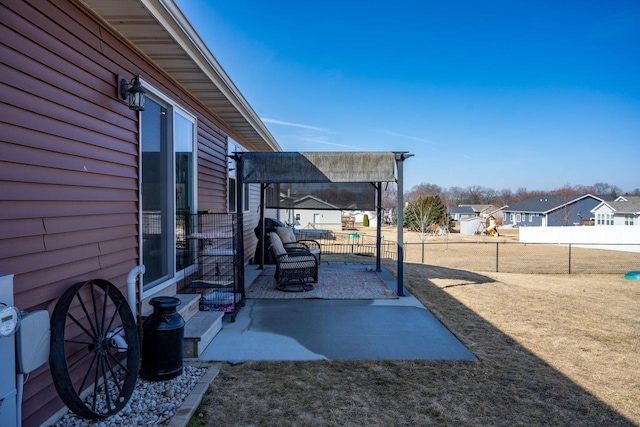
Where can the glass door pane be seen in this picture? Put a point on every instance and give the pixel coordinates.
(155, 191)
(185, 180)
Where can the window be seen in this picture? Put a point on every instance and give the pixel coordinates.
(168, 188)
(628, 220)
(604, 219)
(233, 147)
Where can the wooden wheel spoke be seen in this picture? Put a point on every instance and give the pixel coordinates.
(113, 318)
(95, 308)
(88, 317)
(96, 387)
(86, 375)
(81, 326)
(114, 376)
(78, 342)
(104, 311)
(105, 383)
(120, 365)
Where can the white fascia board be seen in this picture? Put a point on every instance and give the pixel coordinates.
(169, 15)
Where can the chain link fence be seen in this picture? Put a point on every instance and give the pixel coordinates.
(504, 257)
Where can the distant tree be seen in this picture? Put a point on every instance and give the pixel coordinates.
(565, 194)
(506, 197)
(389, 195)
(427, 215)
(426, 211)
(602, 188)
(586, 189)
(455, 195)
(422, 190)
(615, 191)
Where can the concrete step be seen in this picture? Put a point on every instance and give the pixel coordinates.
(189, 305)
(199, 331)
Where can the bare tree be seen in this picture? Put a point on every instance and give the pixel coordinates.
(455, 195)
(389, 195)
(565, 194)
(506, 197)
(423, 190)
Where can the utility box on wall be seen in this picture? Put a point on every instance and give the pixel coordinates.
(8, 408)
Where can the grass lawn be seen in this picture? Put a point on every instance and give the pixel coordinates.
(552, 350)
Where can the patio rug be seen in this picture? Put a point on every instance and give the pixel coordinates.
(333, 283)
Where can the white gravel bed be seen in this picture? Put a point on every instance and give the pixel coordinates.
(152, 403)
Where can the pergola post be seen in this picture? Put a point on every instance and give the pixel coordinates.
(400, 158)
(379, 226)
(263, 187)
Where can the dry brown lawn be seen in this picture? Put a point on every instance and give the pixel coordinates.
(552, 350)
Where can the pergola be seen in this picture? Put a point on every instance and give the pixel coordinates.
(339, 171)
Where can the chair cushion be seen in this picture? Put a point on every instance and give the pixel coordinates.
(286, 234)
(276, 244)
(298, 263)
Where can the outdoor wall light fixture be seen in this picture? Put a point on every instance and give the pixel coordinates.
(133, 92)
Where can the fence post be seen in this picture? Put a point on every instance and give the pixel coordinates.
(569, 258)
(497, 256)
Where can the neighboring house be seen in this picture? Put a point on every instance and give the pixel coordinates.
(459, 213)
(479, 210)
(81, 173)
(311, 212)
(552, 210)
(625, 210)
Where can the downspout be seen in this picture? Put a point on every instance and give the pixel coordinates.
(131, 288)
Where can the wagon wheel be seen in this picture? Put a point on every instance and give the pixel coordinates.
(94, 346)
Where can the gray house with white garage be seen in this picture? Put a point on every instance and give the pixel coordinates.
(624, 211)
(553, 210)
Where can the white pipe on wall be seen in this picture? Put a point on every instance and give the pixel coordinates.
(131, 288)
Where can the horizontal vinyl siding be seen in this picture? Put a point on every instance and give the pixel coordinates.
(212, 168)
(69, 160)
(68, 164)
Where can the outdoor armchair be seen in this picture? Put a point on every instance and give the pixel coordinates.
(295, 266)
(288, 238)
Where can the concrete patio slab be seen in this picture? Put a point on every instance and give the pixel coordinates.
(311, 329)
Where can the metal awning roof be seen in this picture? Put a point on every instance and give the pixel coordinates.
(318, 167)
(159, 30)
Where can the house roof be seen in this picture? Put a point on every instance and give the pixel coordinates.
(546, 203)
(159, 30)
(311, 202)
(478, 208)
(623, 205)
(463, 210)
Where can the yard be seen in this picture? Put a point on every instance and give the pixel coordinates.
(552, 349)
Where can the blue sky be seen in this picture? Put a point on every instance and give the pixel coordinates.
(501, 94)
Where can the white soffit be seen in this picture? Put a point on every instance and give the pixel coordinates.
(159, 29)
